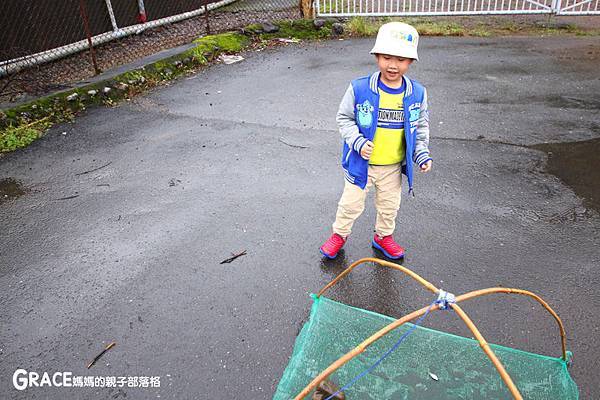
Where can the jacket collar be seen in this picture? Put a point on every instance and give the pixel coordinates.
(375, 79)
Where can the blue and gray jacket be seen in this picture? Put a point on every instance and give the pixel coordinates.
(357, 121)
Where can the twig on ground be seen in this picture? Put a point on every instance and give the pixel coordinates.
(92, 170)
(293, 145)
(110, 346)
(230, 259)
(68, 197)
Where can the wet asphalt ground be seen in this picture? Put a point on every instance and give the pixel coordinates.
(115, 226)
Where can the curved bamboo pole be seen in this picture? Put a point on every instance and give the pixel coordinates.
(382, 332)
(489, 352)
(484, 292)
(407, 271)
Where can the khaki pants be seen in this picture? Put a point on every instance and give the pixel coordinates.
(387, 180)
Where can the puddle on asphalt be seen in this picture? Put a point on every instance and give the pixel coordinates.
(10, 189)
(577, 164)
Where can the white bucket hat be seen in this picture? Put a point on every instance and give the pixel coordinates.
(397, 39)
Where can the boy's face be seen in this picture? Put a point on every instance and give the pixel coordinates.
(392, 67)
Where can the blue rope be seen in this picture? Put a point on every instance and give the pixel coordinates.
(387, 353)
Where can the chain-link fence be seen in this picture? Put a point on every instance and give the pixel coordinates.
(45, 45)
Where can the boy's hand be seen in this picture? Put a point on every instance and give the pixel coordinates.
(426, 167)
(366, 150)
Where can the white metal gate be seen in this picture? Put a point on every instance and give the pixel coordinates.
(348, 8)
(578, 7)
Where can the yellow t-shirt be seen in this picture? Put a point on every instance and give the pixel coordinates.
(388, 144)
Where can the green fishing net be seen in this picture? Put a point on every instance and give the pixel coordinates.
(428, 364)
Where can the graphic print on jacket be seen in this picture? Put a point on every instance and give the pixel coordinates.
(365, 114)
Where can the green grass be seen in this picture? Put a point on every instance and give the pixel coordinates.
(358, 26)
(13, 138)
(510, 26)
(299, 29)
(571, 29)
(481, 30)
(365, 27)
(229, 42)
(439, 28)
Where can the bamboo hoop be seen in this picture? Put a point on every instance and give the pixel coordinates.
(467, 296)
(497, 290)
(402, 268)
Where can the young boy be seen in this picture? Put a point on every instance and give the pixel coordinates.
(384, 122)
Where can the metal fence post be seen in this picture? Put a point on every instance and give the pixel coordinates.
(111, 15)
(86, 25)
(142, 18)
(557, 6)
(314, 7)
(207, 17)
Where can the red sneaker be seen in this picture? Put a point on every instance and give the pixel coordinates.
(388, 246)
(332, 246)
